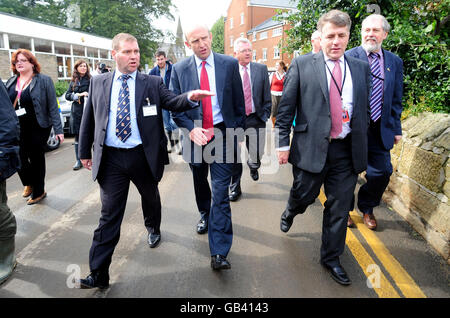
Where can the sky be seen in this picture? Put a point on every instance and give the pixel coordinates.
(194, 12)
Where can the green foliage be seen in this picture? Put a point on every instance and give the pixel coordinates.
(101, 17)
(218, 33)
(419, 35)
(61, 87)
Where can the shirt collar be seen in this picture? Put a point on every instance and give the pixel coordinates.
(209, 60)
(380, 53)
(117, 73)
(327, 59)
(241, 67)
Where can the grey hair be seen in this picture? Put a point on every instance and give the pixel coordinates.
(385, 24)
(315, 35)
(336, 17)
(240, 40)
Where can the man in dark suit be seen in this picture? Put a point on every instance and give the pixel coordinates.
(164, 69)
(329, 93)
(209, 131)
(122, 122)
(385, 128)
(258, 104)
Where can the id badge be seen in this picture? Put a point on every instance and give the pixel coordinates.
(150, 110)
(21, 112)
(345, 116)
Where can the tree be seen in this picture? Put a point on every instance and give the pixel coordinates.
(419, 35)
(218, 31)
(101, 17)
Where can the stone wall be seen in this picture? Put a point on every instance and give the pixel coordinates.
(5, 65)
(420, 185)
(49, 65)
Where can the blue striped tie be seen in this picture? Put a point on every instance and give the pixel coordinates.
(123, 123)
(377, 87)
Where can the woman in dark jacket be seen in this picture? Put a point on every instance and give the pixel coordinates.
(77, 92)
(34, 98)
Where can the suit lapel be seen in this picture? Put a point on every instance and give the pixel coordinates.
(388, 75)
(107, 86)
(220, 72)
(140, 90)
(319, 65)
(253, 79)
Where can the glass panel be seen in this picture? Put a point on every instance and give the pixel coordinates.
(78, 50)
(59, 60)
(62, 48)
(19, 42)
(68, 66)
(2, 45)
(103, 54)
(92, 52)
(42, 45)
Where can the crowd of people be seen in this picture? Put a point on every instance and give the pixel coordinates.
(335, 113)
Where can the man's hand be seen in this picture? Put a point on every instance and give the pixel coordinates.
(87, 163)
(198, 95)
(60, 137)
(283, 157)
(397, 139)
(197, 135)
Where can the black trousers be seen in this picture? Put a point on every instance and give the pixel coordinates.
(339, 182)
(118, 168)
(255, 140)
(33, 140)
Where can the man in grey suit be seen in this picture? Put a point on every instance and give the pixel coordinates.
(258, 103)
(329, 93)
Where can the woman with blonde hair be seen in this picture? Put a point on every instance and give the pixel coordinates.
(34, 99)
(77, 92)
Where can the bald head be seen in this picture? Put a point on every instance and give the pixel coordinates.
(198, 39)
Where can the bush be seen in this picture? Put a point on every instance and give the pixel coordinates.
(61, 87)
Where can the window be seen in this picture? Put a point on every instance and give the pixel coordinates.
(242, 18)
(231, 41)
(78, 50)
(103, 54)
(264, 54)
(242, 35)
(64, 66)
(92, 52)
(231, 23)
(254, 56)
(263, 35)
(254, 36)
(276, 52)
(19, 42)
(2, 44)
(62, 48)
(41, 45)
(277, 32)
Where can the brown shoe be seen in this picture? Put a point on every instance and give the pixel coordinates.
(27, 191)
(350, 222)
(37, 200)
(369, 221)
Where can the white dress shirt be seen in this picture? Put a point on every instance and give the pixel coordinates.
(210, 69)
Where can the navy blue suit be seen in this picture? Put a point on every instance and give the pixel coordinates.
(216, 208)
(381, 133)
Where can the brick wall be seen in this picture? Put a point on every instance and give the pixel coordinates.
(49, 66)
(5, 65)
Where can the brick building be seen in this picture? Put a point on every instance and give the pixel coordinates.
(253, 19)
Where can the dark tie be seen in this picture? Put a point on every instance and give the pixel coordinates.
(377, 87)
(247, 92)
(123, 123)
(208, 122)
(336, 101)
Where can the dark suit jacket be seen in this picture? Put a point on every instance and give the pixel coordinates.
(155, 71)
(261, 90)
(95, 119)
(42, 91)
(306, 93)
(392, 94)
(229, 94)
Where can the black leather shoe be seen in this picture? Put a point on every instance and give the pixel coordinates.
(235, 195)
(338, 274)
(95, 279)
(254, 174)
(154, 239)
(286, 221)
(202, 226)
(219, 262)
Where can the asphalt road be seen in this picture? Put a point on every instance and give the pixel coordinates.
(54, 237)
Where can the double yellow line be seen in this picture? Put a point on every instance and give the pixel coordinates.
(398, 274)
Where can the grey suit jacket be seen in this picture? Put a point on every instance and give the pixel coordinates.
(306, 94)
(261, 90)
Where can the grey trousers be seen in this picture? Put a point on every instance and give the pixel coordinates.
(8, 225)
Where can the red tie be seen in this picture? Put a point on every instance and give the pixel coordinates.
(208, 122)
(336, 101)
(247, 92)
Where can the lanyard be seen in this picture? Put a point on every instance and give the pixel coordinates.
(340, 90)
(20, 89)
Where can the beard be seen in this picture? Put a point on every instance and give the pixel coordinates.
(369, 47)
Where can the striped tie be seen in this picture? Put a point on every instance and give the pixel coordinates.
(377, 88)
(123, 123)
